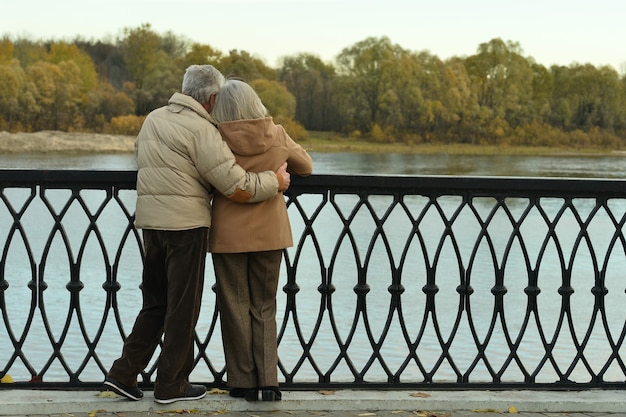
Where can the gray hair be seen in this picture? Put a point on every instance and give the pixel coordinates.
(200, 81)
(236, 101)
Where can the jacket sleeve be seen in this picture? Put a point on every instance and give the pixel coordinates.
(217, 165)
(299, 162)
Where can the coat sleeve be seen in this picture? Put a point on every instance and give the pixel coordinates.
(217, 165)
(299, 162)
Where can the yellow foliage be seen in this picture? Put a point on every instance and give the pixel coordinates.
(294, 129)
(6, 379)
(377, 134)
(214, 391)
(124, 125)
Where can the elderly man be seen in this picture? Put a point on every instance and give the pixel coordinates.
(181, 159)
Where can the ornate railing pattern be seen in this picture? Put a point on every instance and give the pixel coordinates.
(393, 282)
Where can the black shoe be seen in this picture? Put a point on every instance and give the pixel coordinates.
(194, 392)
(132, 393)
(238, 392)
(271, 394)
(250, 394)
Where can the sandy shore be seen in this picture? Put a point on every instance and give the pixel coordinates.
(55, 141)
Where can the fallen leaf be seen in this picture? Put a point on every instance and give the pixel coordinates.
(366, 414)
(327, 392)
(512, 410)
(107, 394)
(214, 391)
(487, 410)
(420, 395)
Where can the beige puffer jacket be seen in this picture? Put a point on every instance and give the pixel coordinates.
(180, 158)
(258, 144)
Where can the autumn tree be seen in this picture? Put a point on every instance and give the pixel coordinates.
(200, 54)
(6, 50)
(311, 82)
(12, 79)
(64, 52)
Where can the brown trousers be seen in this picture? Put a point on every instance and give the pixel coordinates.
(172, 282)
(246, 299)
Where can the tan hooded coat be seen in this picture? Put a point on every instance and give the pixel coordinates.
(258, 145)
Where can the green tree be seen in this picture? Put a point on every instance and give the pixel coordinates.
(586, 97)
(276, 98)
(503, 80)
(165, 79)
(139, 49)
(108, 61)
(241, 64)
(368, 68)
(311, 82)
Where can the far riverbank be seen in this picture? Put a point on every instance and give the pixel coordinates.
(81, 142)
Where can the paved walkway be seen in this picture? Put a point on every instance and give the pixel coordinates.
(340, 403)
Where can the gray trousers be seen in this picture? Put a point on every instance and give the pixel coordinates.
(246, 299)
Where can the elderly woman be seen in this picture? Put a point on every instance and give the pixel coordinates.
(247, 241)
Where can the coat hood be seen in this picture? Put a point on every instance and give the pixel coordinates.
(249, 137)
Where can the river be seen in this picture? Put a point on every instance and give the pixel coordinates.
(577, 166)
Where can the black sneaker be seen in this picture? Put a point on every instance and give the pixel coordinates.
(132, 393)
(194, 392)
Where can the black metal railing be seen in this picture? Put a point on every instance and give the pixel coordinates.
(393, 282)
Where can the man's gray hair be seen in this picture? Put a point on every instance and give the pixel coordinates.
(200, 81)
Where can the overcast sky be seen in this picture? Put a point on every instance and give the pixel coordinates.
(550, 31)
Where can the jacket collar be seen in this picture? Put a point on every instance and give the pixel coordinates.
(179, 100)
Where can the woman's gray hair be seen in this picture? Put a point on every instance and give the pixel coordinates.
(236, 101)
(200, 81)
